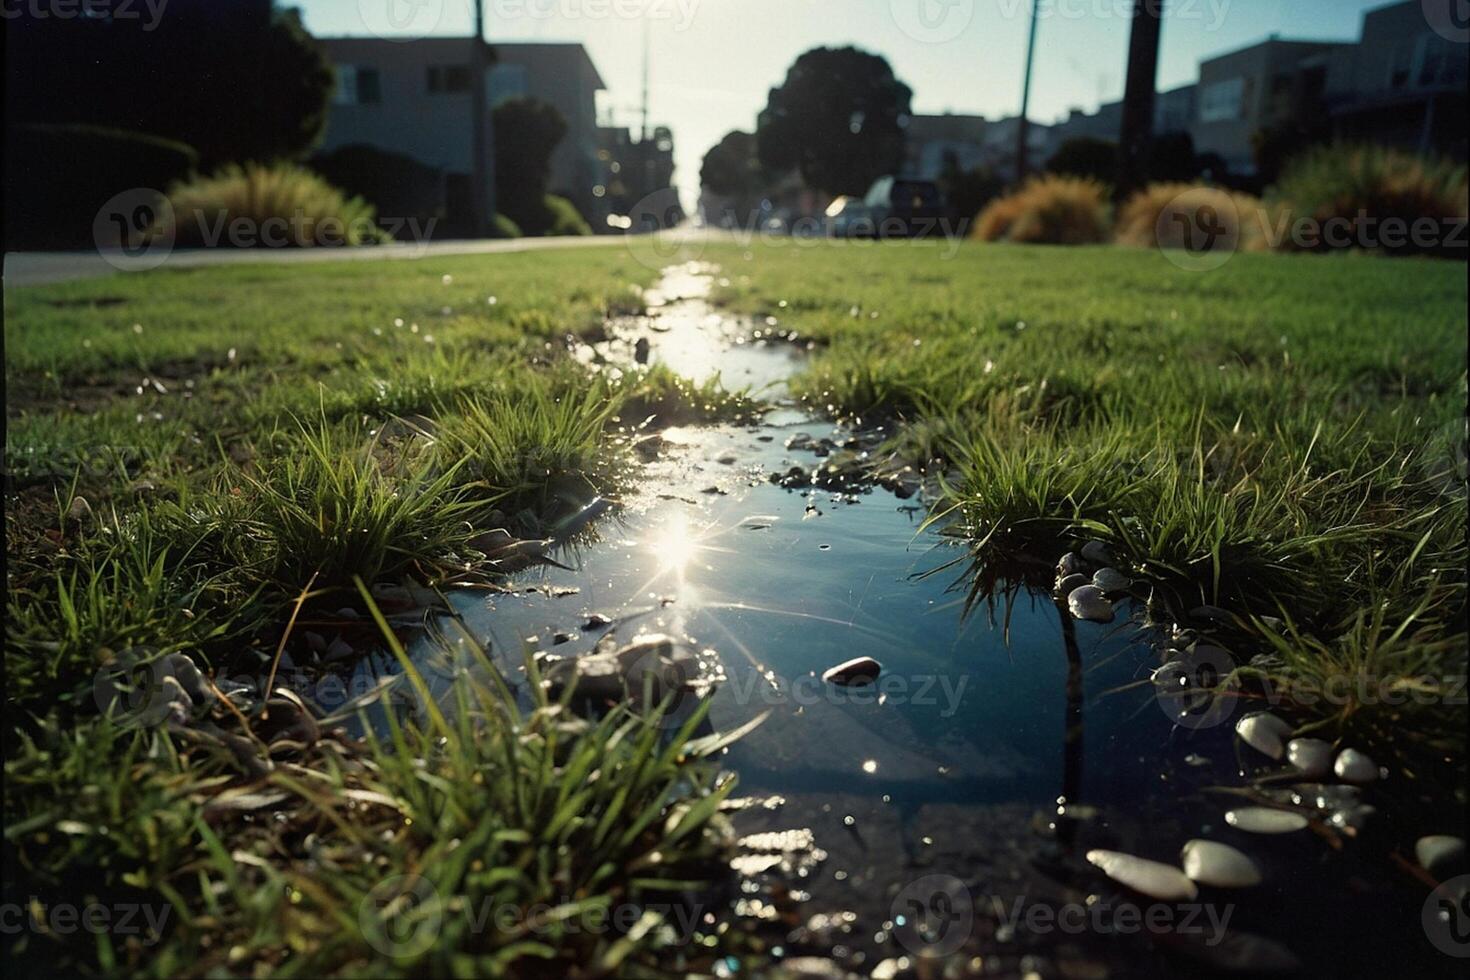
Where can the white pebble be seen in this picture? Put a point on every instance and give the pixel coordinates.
(1159, 881)
(1265, 820)
(1212, 863)
(1353, 766)
(1311, 756)
(1264, 732)
(1439, 851)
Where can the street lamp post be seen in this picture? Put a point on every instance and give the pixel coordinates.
(1023, 124)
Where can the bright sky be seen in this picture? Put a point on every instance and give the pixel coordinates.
(713, 61)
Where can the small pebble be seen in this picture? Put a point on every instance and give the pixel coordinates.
(1265, 820)
(1353, 766)
(1439, 852)
(1264, 732)
(1220, 865)
(1159, 881)
(1090, 604)
(1311, 756)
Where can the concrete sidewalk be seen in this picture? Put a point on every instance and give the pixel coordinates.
(35, 268)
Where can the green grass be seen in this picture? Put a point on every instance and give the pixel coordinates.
(261, 442)
(1282, 436)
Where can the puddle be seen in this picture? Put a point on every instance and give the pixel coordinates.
(992, 753)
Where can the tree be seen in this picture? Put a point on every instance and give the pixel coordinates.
(732, 169)
(527, 133)
(1172, 158)
(838, 118)
(235, 79)
(1139, 89)
(1086, 156)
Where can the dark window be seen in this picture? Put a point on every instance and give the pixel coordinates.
(449, 78)
(369, 89)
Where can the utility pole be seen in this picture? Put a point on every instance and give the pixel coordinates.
(1135, 141)
(643, 135)
(1023, 125)
(482, 193)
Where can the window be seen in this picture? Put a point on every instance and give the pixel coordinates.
(357, 85)
(1222, 100)
(444, 79)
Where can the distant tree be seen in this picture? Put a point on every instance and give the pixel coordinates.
(527, 133)
(237, 80)
(1086, 156)
(732, 169)
(1172, 158)
(838, 118)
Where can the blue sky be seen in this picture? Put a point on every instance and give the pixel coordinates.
(715, 60)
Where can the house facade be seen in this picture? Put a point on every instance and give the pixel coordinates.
(416, 99)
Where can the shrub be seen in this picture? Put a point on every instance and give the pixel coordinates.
(1049, 210)
(503, 227)
(1344, 186)
(60, 175)
(281, 204)
(565, 218)
(1141, 219)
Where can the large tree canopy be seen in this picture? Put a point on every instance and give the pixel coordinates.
(235, 79)
(839, 118)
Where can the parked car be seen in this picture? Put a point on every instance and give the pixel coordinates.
(902, 208)
(850, 217)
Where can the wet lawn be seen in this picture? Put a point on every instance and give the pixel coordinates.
(200, 460)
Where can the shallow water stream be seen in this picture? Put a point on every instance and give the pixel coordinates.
(998, 745)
